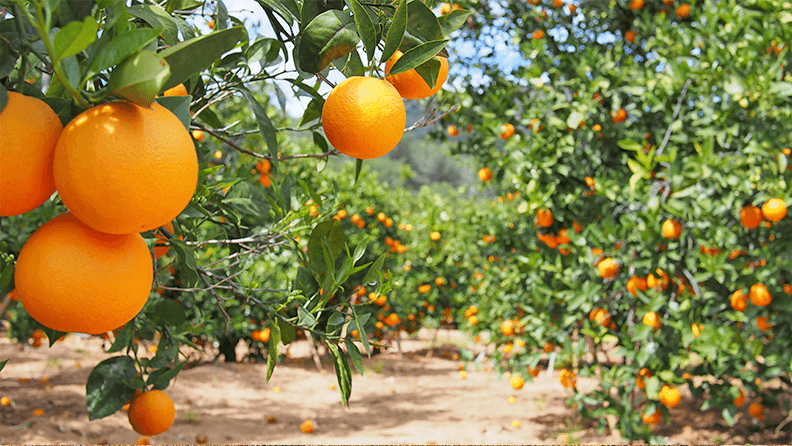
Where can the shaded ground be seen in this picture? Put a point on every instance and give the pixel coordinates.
(418, 399)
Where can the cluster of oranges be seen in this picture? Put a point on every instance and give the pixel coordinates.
(120, 169)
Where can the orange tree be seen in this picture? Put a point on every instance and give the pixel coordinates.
(639, 134)
(254, 250)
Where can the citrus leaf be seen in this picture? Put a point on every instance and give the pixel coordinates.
(139, 78)
(453, 21)
(121, 47)
(278, 6)
(418, 55)
(395, 35)
(272, 352)
(74, 37)
(105, 390)
(157, 17)
(168, 312)
(194, 55)
(326, 230)
(329, 36)
(179, 106)
(343, 372)
(365, 27)
(288, 332)
(122, 339)
(429, 71)
(265, 126)
(305, 318)
(2, 364)
(161, 378)
(354, 355)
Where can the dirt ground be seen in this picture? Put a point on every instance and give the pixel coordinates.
(418, 399)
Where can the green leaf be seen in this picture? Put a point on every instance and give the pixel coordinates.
(336, 318)
(358, 169)
(343, 372)
(365, 27)
(395, 35)
(3, 364)
(157, 18)
(429, 71)
(74, 37)
(264, 124)
(105, 391)
(122, 339)
(278, 6)
(189, 266)
(7, 279)
(121, 47)
(52, 335)
(195, 55)
(631, 145)
(360, 324)
(781, 89)
(330, 35)
(354, 355)
(168, 312)
(327, 230)
(139, 78)
(179, 106)
(417, 56)
(312, 112)
(161, 378)
(272, 352)
(305, 318)
(453, 21)
(374, 270)
(422, 26)
(288, 332)
(221, 14)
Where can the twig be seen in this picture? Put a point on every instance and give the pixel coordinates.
(422, 123)
(673, 117)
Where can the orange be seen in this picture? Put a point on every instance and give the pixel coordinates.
(544, 217)
(652, 319)
(453, 131)
(265, 179)
(151, 413)
(558, 3)
(738, 401)
(122, 168)
(683, 11)
(364, 117)
(653, 418)
(761, 322)
(198, 135)
(485, 174)
(160, 247)
(739, 300)
(263, 166)
(669, 396)
(517, 382)
(671, 229)
(13, 295)
(424, 288)
(507, 131)
(567, 378)
(620, 116)
(410, 84)
(756, 410)
(179, 90)
(29, 130)
(696, 329)
(306, 426)
(538, 34)
(434, 236)
(608, 268)
(5, 401)
(759, 295)
(392, 319)
(445, 8)
(630, 36)
(507, 328)
(750, 216)
(636, 5)
(72, 278)
(636, 283)
(774, 209)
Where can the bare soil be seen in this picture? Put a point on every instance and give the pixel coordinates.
(417, 397)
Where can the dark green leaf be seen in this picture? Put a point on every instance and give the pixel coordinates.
(358, 168)
(265, 126)
(353, 65)
(3, 364)
(157, 17)
(453, 21)
(179, 106)
(374, 271)
(278, 6)
(417, 56)
(122, 339)
(121, 47)
(105, 391)
(161, 378)
(422, 24)
(343, 373)
(272, 352)
(336, 318)
(326, 230)
(288, 332)
(305, 318)
(189, 266)
(329, 36)
(365, 27)
(194, 55)
(139, 78)
(168, 312)
(7, 279)
(354, 355)
(52, 335)
(396, 31)
(312, 112)
(429, 71)
(221, 16)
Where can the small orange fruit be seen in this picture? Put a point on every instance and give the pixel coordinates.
(198, 135)
(410, 84)
(759, 295)
(761, 322)
(671, 229)
(750, 216)
(485, 174)
(653, 320)
(739, 300)
(774, 209)
(738, 401)
(608, 268)
(630, 36)
(151, 413)
(544, 217)
(669, 396)
(307, 426)
(517, 382)
(160, 248)
(567, 378)
(507, 131)
(507, 328)
(452, 131)
(434, 235)
(179, 90)
(5, 401)
(636, 5)
(756, 410)
(620, 116)
(29, 131)
(364, 117)
(683, 11)
(653, 418)
(538, 34)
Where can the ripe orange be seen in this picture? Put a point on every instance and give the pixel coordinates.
(364, 117)
(774, 209)
(265, 179)
(759, 295)
(750, 216)
(653, 320)
(636, 5)
(198, 135)
(671, 229)
(392, 319)
(608, 268)
(567, 378)
(410, 84)
(507, 328)
(29, 130)
(630, 36)
(756, 410)
(485, 174)
(620, 116)
(538, 34)
(696, 329)
(306, 426)
(5, 401)
(517, 382)
(445, 8)
(636, 283)
(453, 131)
(507, 131)
(761, 322)
(72, 278)
(424, 288)
(160, 247)
(179, 90)
(653, 418)
(434, 235)
(151, 413)
(738, 401)
(263, 166)
(122, 168)
(670, 396)
(683, 11)
(544, 217)
(739, 300)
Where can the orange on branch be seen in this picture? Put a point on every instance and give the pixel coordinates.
(410, 84)
(151, 413)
